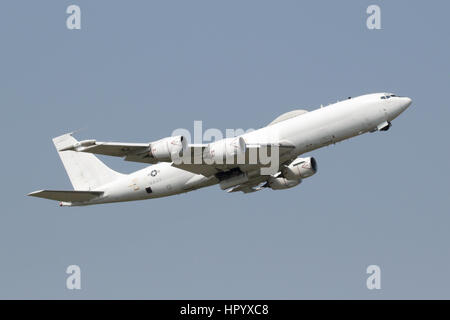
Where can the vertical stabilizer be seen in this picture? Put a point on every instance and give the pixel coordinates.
(85, 171)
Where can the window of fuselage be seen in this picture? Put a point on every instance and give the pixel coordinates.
(148, 189)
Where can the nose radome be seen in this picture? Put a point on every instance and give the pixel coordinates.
(405, 103)
(399, 104)
(408, 102)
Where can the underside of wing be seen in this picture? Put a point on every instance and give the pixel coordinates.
(203, 169)
(137, 152)
(249, 187)
(205, 159)
(115, 149)
(254, 157)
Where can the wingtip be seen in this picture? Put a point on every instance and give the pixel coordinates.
(71, 133)
(33, 194)
(63, 135)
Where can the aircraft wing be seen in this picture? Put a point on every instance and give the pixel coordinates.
(142, 152)
(136, 152)
(69, 195)
(210, 169)
(251, 186)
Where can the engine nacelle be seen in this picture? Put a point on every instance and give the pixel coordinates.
(281, 183)
(168, 148)
(300, 168)
(225, 151)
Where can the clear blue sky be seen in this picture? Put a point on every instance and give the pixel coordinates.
(139, 69)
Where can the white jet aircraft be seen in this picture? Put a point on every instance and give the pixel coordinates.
(236, 163)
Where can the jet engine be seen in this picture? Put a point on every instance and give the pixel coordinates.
(280, 183)
(300, 168)
(292, 174)
(225, 151)
(168, 148)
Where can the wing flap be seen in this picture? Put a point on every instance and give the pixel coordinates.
(66, 196)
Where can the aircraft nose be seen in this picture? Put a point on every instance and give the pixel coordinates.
(398, 105)
(402, 104)
(407, 102)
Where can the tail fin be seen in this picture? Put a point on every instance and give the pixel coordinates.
(86, 171)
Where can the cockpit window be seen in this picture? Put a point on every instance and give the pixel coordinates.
(388, 96)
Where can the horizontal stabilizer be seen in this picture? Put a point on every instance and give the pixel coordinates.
(66, 196)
